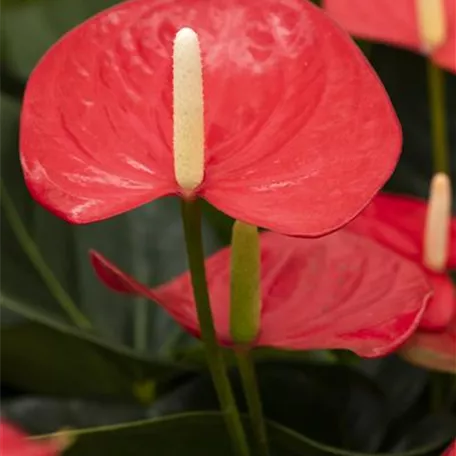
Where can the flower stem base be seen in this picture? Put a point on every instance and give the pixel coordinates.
(191, 215)
(250, 385)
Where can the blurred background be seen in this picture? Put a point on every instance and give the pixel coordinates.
(139, 353)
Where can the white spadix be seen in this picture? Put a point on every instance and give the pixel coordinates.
(188, 110)
(437, 227)
(431, 23)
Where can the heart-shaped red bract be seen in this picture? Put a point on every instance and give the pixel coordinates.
(340, 291)
(14, 442)
(433, 349)
(394, 22)
(299, 131)
(398, 222)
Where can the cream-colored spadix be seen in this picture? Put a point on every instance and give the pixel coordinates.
(188, 110)
(437, 228)
(432, 24)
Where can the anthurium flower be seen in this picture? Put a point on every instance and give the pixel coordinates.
(340, 291)
(421, 232)
(299, 133)
(427, 26)
(433, 350)
(14, 442)
(451, 450)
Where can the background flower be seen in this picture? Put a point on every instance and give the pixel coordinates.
(14, 442)
(395, 22)
(398, 223)
(341, 291)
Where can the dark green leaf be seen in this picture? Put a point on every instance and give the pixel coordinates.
(331, 404)
(438, 428)
(404, 75)
(29, 28)
(185, 434)
(401, 383)
(43, 415)
(45, 356)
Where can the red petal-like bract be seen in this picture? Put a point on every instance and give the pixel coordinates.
(451, 450)
(300, 133)
(394, 22)
(433, 350)
(398, 222)
(442, 306)
(14, 442)
(341, 291)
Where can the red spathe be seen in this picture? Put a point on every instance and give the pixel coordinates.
(394, 22)
(299, 132)
(398, 223)
(14, 442)
(342, 291)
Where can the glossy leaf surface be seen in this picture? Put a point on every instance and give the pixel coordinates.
(286, 115)
(70, 362)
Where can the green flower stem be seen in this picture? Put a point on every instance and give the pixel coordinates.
(34, 255)
(191, 215)
(252, 395)
(436, 88)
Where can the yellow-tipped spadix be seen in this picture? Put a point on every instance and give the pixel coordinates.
(432, 24)
(437, 228)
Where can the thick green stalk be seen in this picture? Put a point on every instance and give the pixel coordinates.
(436, 88)
(34, 255)
(245, 295)
(252, 395)
(191, 216)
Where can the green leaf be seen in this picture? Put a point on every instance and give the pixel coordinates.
(12, 3)
(67, 361)
(43, 414)
(433, 428)
(187, 434)
(331, 404)
(402, 383)
(29, 28)
(404, 75)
